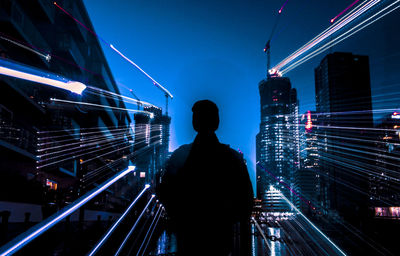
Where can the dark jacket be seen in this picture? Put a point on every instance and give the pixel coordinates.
(206, 189)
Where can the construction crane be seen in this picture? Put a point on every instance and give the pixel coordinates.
(267, 48)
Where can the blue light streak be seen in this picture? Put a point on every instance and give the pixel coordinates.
(312, 224)
(22, 240)
(133, 227)
(114, 226)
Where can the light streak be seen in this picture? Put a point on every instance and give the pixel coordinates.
(328, 32)
(118, 52)
(47, 57)
(152, 228)
(133, 227)
(88, 160)
(345, 10)
(121, 96)
(341, 37)
(102, 106)
(312, 224)
(22, 240)
(134, 64)
(114, 226)
(80, 155)
(283, 6)
(11, 69)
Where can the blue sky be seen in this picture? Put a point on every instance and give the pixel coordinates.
(214, 50)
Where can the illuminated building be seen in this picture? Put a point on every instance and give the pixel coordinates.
(343, 102)
(308, 178)
(34, 130)
(384, 193)
(277, 142)
(151, 144)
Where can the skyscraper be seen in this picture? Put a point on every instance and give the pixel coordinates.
(343, 102)
(277, 141)
(309, 179)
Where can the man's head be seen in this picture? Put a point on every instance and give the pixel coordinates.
(205, 116)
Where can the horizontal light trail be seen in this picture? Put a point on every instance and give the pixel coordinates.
(133, 227)
(94, 173)
(115, 225)
(104, 132)
(23, 239)
(115, 143)
(47, 57)
(118, 52)
(78, 156)
(103, 106)
(88, 160)
(83, 147)
(364, 168)
(24, 72)
(312, 224)
(85, 128)
(116, 96)
(342, 37)
(92, 138)
(150, 231)
(345, 10)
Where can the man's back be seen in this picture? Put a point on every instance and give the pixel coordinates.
(206, 189)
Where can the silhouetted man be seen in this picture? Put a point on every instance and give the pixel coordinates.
(206, 190)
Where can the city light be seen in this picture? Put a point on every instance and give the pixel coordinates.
(11, 69)
(22, 240)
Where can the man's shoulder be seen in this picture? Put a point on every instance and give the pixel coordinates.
(230, 151)
(180, 154)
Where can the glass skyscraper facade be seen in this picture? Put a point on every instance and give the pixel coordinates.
(278, 139)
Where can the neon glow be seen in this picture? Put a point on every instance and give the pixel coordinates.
(11, 69)
(110, 230)
(22, 240)
(396, 115)
(309, 121)
(283, 6)
(345, 10)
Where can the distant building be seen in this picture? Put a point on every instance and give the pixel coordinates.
(384, 193)
(343, 103)
(309, 178)
(278, 140)
(151, 144)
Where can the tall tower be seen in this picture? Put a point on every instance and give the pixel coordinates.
(277, 142)
(343, 101)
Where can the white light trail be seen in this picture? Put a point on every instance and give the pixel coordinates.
(351, 17)
(103, 106)
(342, 37)
(9, 69)
(22, 240)
(152, 79)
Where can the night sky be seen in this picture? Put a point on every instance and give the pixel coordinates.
(214, 50)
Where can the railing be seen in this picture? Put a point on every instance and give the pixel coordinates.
(37, 230)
